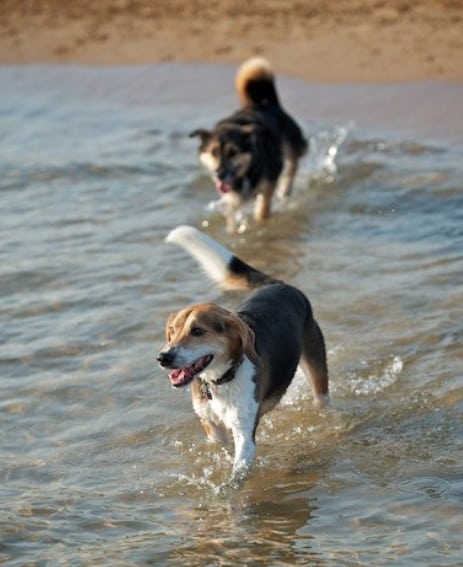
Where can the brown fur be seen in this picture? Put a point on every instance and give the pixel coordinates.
(222, 327)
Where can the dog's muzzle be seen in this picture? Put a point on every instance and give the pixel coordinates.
(166, 358)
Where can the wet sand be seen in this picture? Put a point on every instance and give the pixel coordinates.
(343, 41)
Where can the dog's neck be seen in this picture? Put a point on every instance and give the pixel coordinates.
(227, 376)
(230, 373)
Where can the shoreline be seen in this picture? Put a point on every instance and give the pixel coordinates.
(352, 41)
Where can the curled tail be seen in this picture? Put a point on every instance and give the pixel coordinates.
(225, 269)
(255, 83)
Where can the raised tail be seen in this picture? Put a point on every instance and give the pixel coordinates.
(219, 263)
(255, 83)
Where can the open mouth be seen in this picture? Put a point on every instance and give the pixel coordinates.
(182, 376)
(224, 186)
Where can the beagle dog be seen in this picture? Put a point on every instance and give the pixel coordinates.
(240, 363)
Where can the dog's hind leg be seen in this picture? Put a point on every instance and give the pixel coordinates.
(313, 362)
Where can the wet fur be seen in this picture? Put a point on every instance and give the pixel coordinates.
(247, 152)
(264, 339)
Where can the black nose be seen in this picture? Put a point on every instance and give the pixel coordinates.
(165, 358)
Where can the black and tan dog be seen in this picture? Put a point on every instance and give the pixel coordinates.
(240, 363)
(247, 152)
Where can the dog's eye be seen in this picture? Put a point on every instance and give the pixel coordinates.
(232, 153)
(197, 331)
(215, 152)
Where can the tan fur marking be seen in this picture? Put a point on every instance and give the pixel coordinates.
(263, 201)
(253, 69)
(233, 282)
(225, 329)
(313, 362)
(209, 161)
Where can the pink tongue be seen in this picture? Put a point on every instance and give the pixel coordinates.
(223, 187)
(179, 375)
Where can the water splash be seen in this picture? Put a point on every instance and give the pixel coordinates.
(209, 468)
(324, 146)
(375, 383)
(242, 216)
(297, 391)
(354, 382)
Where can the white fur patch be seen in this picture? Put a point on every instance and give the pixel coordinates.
(234, 404)
(212, 256)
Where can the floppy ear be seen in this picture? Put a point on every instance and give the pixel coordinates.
(201, 133)
(245, 338)
(169, 322)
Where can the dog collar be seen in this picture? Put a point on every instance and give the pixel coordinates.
(227, 377)
(229, 374)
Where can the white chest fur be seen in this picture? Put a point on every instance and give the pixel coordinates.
(234, 404)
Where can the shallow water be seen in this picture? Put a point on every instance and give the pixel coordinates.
(102, 463)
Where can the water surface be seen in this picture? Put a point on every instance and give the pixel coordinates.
(102, 463)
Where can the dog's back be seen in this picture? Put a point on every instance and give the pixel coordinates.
(278, 314)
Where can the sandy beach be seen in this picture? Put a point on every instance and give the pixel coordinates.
(343, 41)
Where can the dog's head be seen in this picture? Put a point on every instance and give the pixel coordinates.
(227, 153)
(202, 337)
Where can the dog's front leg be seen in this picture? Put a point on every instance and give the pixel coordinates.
(264, 200)
(245, 450)
(215, 432)
(232, 205)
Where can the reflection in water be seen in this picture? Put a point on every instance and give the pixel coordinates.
(255, 522)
